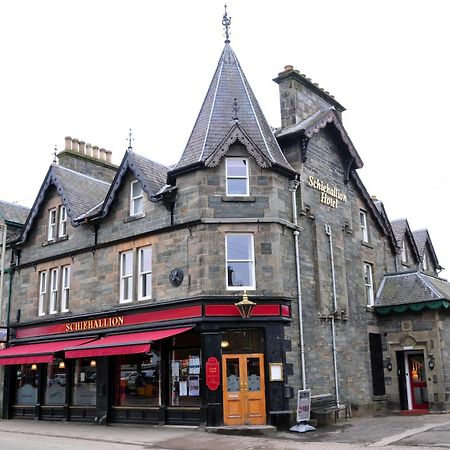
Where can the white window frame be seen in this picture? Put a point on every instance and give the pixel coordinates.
(143, 273)
(364, 228)
(251, 261)
(126, 278)
(51, 232)
(403, 254)
(237, 177)
(425, 264)
(65, 288)
(368, 281)
(62, 228)
(133, 199)
(53, 306)
(42, 292)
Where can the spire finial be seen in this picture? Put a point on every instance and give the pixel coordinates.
(235, 110)
(130, 139)
(54, 154)
(226, 22)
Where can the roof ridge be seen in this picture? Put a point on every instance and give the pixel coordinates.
(132, 152)
(428, 284)
(81, 174)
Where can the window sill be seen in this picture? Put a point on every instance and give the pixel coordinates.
(366, 244)
(55, 241)
(238, 198)
(135, 217)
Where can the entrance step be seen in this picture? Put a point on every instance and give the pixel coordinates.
(244, 430)
(414, 412)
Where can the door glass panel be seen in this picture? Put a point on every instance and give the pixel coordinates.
(55, 386)
(417, 368)
(420, 395)
(253, 374)
(233, 375)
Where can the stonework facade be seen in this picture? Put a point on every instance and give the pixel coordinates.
(129, 283)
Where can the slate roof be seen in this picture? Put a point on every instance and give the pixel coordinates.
(314, 123)
(421, 238)
(411, 287)
(79, 193)
(11, 212)
(230, 97)
(151, 174)
(399, 227)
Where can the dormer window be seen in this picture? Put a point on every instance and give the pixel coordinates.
(51, 233)
(136, 199)
(237, 176)
(425, 262)
(57, 224)
(404, 256)
(62, 221)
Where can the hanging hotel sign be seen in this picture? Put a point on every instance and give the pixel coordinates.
(329, 195)
(94, 324)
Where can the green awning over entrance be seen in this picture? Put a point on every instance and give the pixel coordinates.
(416, 307)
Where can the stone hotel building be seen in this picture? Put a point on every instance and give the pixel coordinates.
(211, 291)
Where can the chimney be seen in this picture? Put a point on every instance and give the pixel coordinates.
(300, 98)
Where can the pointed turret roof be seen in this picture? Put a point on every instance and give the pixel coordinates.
(230, 112)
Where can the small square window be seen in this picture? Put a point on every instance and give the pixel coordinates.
(137, 199)
(237, 176)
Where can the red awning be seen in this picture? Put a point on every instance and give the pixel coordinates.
(37, 353)
(122, 344)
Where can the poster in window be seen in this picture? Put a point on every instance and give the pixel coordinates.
(194, 365)
(3, 334)
(183, 388)
(175, 369)
(194, 385)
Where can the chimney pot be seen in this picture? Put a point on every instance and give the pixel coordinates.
(82, 144)
(288, 68)
(75, 147)
(68, 143)
(108, 155)
(102, 154)
(88, 149)
(95, 152)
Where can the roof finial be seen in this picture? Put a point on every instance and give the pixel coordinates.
(226, 22)
(54, 154)
(235, 110)
(130, 139)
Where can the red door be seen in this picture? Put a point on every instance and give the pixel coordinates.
(418, 380)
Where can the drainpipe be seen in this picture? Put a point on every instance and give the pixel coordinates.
(2, 268)
(333, 316)
(294, 186)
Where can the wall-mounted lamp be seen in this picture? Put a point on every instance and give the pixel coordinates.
(245, 306)
(33, 366)
(62, 365)
(224, 343)
(431, 363)
(93, 363)
(389, 364)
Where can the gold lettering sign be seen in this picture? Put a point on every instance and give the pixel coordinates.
(329, 195)
(93, 324)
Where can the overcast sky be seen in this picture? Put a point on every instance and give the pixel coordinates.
(93, 69)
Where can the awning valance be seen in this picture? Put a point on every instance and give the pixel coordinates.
(37, 353)
(122, 344)
(416, 307)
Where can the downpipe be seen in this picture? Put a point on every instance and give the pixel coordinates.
(333, 316)
(295, 185)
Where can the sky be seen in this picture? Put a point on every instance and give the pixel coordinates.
(92, 69)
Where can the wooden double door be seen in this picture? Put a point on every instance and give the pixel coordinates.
(244, 401)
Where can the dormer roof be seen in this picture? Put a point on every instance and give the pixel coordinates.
(400, 228)
(228, 102)
(79, 193)
(422, 239)
(151, 174)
